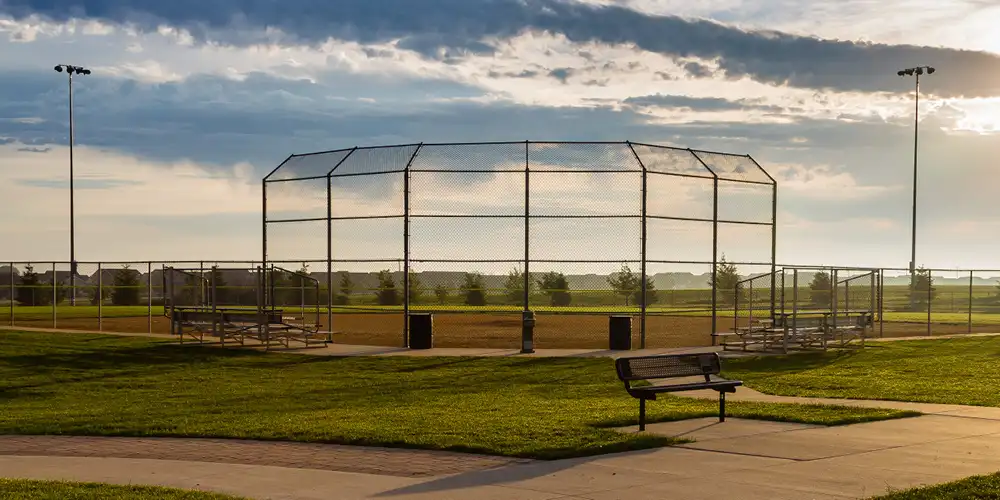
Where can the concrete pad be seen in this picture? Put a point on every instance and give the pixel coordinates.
(826, 478)
(708, 489)
(748, 394)
(792, 445)
(685, 462)
(574, 480)
(709, 428)
(904, 432)
(983, 412)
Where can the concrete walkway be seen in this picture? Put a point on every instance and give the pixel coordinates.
(742, 459)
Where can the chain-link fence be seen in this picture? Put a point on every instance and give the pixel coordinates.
(480, 234)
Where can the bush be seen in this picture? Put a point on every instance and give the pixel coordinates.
(556, 287)
(127, 286)
(387, 293)
(472, 288)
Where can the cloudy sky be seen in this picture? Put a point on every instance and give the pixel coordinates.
(191, 103)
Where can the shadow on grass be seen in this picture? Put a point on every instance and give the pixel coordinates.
(791, 363)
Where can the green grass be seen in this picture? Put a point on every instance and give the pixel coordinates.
(525, 407)
(22, 489)
(970, 488)
(956, 371)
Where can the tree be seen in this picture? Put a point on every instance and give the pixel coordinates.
(650, 293)
(99, 294)
(472, 288)
(922, 289)
(441, 292)
(387, 294)
(282, 293)
(346, 287)
(31, 291)
(223, 295)
(514, 287)
(820, 290)
(556, 286)
(126, 287)
(416, 288)
(625, 283)
(304, 287)
(727, 281)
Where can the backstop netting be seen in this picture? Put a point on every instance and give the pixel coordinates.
(479, 233)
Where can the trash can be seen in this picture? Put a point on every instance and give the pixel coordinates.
(527, 332)
(421, 330)
(620, 333)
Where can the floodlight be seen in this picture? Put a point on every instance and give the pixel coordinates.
(909, 71)
(920, 71)
(58, 68)
(901, 73)
(86, 71)
(930, 70)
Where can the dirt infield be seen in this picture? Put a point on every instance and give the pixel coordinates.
(503, 330)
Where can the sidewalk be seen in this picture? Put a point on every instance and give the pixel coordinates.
(742, 459)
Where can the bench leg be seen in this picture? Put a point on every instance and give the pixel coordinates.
(722, 406)
(642, 415)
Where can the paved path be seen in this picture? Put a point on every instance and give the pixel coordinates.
(737, 459)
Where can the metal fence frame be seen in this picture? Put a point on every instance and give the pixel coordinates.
(709, 170)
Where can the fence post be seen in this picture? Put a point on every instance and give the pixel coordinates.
(201, 284)
(929, 297)
(644, 305)
(149, 297)
(970, 300)
(13, 292)
(55, 295)
(715, 265)
(881, 303)
(406, 247)
(212, 296)
(329, 257)
(100, 297)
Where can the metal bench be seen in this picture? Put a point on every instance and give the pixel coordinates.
(671, 366)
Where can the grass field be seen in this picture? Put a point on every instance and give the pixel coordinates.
(971, 488)
(955, 371)
(541, 408)
(22, 489)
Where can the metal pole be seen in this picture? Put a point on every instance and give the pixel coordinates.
(262, 282)
(329, 259)
(72, 203)
(970, 300)
(149, 297)
(881, 303)
(13, 293)
(916, 127)
(774, 242)
(100, 297)
(55, 289)
(644, 299)
(929, 275)
(715, 265)
(406, 248)
(527, 228)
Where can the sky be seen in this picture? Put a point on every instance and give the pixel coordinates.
(190, 104)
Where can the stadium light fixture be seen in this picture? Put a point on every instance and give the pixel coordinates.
(917, 70)
(70, 70)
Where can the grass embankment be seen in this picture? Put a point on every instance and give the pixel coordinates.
(954, 371)
(526, 407)
(23, 489)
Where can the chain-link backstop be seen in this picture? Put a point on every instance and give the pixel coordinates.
(480, 233)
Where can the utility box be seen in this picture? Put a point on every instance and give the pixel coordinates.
(620, 333)
(421, 330)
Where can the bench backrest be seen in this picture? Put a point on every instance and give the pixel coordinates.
(668, 366)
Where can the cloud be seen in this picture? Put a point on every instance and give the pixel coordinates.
(452, 29)
(34, 150)
(700, 103)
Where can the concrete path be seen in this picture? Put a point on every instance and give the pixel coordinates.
(742, 459)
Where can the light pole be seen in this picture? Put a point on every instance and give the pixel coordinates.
(915, 71)
(70, 70)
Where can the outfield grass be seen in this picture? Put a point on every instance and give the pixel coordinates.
(970, 488)
(955, 371)
(524, 407)
(22, 489)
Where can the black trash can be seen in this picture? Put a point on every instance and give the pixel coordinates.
(421, 330)
(620, 333)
